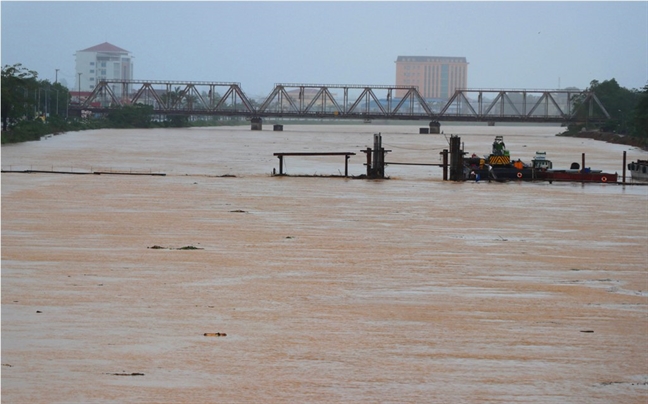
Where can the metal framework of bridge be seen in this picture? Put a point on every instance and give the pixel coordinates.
(330, 101)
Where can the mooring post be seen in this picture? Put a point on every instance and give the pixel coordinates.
(378, 157)
(445, 164)
(624, 165)
(456, 159)
(381, 158)
(346, 165)
(368, 151)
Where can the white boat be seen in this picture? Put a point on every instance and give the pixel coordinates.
(639, 170)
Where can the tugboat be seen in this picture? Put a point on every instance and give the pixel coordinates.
(639, 170)
(497, 166)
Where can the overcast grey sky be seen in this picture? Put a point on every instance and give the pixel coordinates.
(533, 45)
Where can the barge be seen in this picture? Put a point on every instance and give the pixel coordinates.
(499, 166)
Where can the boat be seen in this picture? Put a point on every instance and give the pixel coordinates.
(639, 170)
(544, 171)
(499, 166)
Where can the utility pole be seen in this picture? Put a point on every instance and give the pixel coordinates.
(56, 77)
(79, 94)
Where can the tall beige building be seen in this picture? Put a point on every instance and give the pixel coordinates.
(435, 76)
(102, 62)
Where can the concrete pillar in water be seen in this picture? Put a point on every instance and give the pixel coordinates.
(257, 123)
(435, 127)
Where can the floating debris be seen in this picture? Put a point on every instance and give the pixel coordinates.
(215, 334)
(125, 374)
(187, 247)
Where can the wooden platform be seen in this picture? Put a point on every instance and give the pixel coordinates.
(345, 154)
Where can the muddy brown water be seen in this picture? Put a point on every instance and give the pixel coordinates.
(409, 289)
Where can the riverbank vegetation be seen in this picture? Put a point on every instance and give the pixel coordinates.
(628, 110)
(32, 108)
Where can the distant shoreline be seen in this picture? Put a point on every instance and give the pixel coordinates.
(610, 138)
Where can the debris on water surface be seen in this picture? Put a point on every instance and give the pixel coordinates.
(126, 374)
(215, 334)
(187, 247)
(238, 211)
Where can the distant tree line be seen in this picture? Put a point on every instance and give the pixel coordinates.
(32, 108)
(628, 110)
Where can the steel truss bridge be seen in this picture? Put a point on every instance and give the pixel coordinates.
(327, 101)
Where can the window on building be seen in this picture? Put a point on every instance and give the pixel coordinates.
(91, 78)
(91, 63)
(92, 71)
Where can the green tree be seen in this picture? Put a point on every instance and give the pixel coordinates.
(618, 101)
(640, 116)
(19, 86)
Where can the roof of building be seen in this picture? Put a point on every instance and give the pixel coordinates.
(104, 47)
(447, 59)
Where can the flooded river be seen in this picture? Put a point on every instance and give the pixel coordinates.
(318, 289)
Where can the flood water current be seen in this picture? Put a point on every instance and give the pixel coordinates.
(219, 282)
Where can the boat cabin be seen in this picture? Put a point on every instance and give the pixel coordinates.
(540, 161)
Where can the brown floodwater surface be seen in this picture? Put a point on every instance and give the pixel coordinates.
(409, 289)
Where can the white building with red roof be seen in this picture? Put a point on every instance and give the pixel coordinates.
(102, 62)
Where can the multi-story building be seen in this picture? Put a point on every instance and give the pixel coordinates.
(102, 62)
(435, 76)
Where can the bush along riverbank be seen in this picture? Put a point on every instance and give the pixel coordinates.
(610, 137)
(30, 130)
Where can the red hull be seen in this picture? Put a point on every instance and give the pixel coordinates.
(576, 176)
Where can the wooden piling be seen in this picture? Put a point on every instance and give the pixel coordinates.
(624, 167)
(445, 164)
(369, 170)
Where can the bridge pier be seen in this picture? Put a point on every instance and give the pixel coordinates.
(435, 127)
(257, 123)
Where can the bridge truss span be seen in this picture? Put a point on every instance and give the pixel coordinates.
(172, 97)
(346, 101)
(524, 105)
